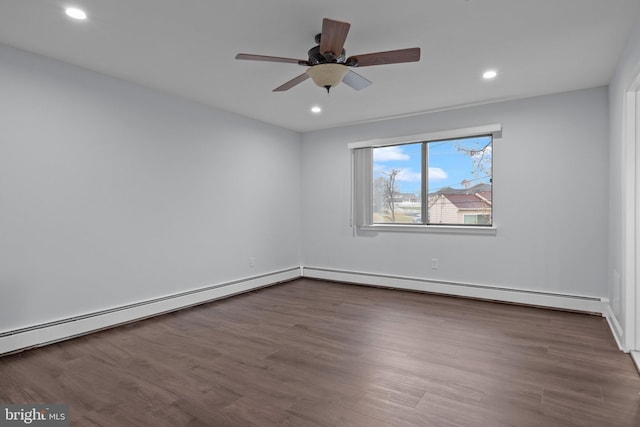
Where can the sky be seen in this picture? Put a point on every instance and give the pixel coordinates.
(449, 164)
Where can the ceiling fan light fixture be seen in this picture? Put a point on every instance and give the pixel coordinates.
(327, 75)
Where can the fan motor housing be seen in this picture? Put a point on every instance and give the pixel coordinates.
(316, 57)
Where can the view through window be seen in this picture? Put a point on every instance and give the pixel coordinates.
(445, 182)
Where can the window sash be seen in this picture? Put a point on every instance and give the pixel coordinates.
(362, 172)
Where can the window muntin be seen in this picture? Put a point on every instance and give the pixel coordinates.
(456, 191)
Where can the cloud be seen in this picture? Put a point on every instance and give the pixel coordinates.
(385, 154)
(407, 175)
(404, 174)
(437, 174)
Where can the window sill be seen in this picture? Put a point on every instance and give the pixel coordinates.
(437, 229)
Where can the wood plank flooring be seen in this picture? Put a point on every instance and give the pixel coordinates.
(314, 353)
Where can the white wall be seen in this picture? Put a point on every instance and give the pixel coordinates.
(620, 296)
(550, 197)
(112, 194)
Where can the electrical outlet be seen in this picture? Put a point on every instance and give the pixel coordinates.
(252, 261)
(434, 263)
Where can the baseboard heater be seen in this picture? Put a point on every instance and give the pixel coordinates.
(47, 333)
(581, 303)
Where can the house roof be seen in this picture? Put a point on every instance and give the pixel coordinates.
(478, 188)
(477, 197)
(487, 195)
(467, 201)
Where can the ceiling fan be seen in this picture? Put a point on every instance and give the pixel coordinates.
(328, 63)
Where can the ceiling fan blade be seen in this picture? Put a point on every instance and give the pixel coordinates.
(251, 57)
(291, 83)
(355, 80)
(388, 57)
(333, 35)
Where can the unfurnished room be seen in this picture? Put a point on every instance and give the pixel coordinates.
(296, 213)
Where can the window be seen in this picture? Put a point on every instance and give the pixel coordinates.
(477, 219)
(434, 181)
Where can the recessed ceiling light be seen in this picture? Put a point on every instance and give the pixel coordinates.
(316, 109)
(490, 74)
(75, 13)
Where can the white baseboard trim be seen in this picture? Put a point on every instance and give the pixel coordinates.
(615, 327)
(635, 356)
(48, 333)
(39, 335)
(520, 296)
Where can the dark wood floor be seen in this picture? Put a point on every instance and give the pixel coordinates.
(313, 353)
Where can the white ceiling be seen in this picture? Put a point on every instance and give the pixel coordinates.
(187, 48)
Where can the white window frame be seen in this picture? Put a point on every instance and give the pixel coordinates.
(361, 197)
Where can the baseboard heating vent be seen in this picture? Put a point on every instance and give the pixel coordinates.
(582, 303)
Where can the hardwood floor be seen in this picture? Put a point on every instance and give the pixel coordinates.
(314, 353)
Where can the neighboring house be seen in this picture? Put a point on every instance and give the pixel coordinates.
(406, 198)
(461, 206)
(401, 200)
